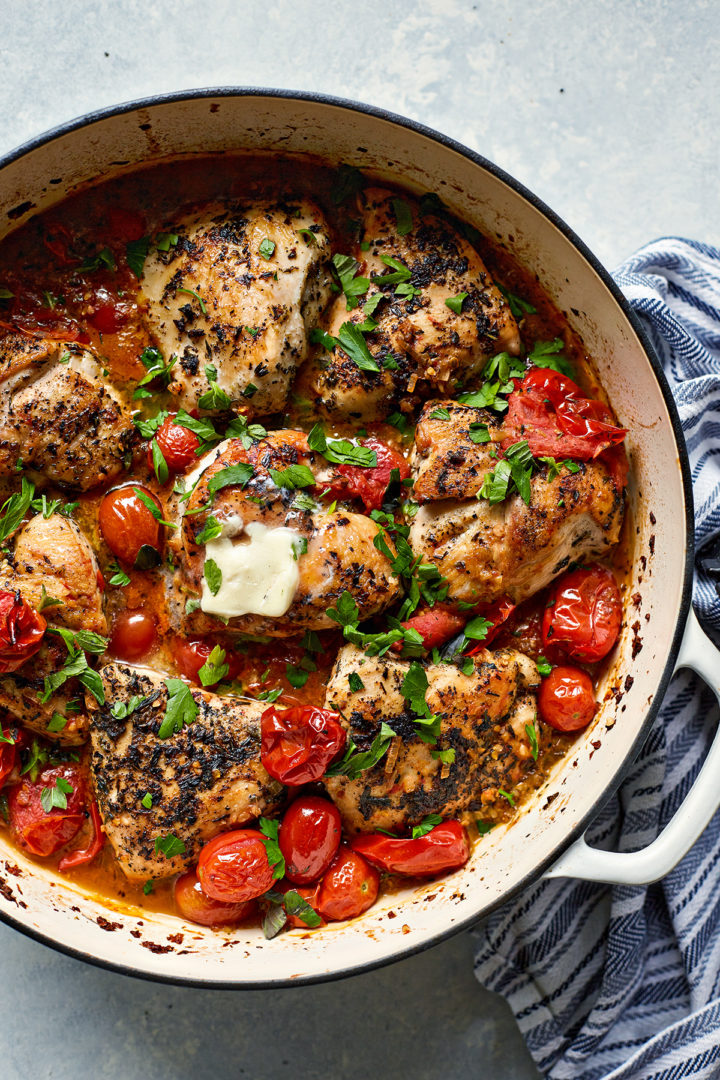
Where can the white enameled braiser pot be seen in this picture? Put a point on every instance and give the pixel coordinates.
(660, 632)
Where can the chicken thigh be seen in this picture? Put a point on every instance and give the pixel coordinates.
(202, 780)
(484, 718)
(420, 342)
(59, 414)
(236, 294)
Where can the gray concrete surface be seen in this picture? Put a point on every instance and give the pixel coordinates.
(610, 112)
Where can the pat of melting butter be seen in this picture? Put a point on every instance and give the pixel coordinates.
(259, 570)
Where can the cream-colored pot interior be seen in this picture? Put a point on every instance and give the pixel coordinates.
(161, 946)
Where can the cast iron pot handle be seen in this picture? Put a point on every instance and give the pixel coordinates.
(692, 817)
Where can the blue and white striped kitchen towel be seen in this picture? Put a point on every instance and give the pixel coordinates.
(624, 982)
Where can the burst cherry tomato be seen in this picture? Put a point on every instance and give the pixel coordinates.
(127, 524)
(309, 838)
(8, 753)
(108, 316)
(370, 485)
(550, 411)
(298, 744)
(446, 847)
(496, 612)
(194, 905)
(43, 832)
(349, 887)
(584, 614)
(436, 626)
(567, 699)
(234, 867)
(82, 856)
(21, 631)
(133, 634)
(191, 655)
(309, 893)
(177, 445)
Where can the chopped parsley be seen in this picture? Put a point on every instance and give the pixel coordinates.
(549, 354)
(518, 306)
(15, 508)
(119, 577)
(210, 530)
(169, 846)
(544, 666)
(352, 341)
(136, 252)
(180, 711)
(294, 476)
(232, 476)
(341, 451)
(403, 216)
(267, 248)
(146, 801)
(352, 286)
(533, 740)
(201, 302)
(215, 397)
(355, 682)
(354, 763)
(156, 368)
(122, 709)
(426, 825)
(213, 576)
(439, 414)
(269, 829)
(455, 303)
(215, 668)
(55, 797)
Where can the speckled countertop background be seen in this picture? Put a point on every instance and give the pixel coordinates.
(610, 111)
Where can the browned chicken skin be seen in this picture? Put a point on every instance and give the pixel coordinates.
(483, 719)
(446, 462)
(238, 291)
(59, 414)
(340, 552)
(486, 551)
(52, 553)
(202, 780)
(428, 344)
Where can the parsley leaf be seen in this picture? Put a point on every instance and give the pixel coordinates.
(352, 342)
(146, 801)
(354, 764)
(136, 252)
(15, 508)
(201, 302)
(231, 476)
(119, 577)
(533, 740)
(346, 268)
(348, 181)
(544, 666)
(355, 682)
(518, 306)
(267, 248)
(210, 530)
(479, 433)
(122, 709)
(346, 613)
(55, 797)
(297, 906)
(341, 451)
(294, 476)
(213, 576)
(215, 397)
(169, 846)
(269, 829)
(439, 414)
(214, 669)
(426, 825)
(455, 303)
(181, 709)
(549, 354)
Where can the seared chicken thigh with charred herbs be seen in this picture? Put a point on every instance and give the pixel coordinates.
(60, 414)
(434, 314)
(233, 301)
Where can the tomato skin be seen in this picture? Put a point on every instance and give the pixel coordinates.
(550, 411)
(234, 867)
(126, 523)
(446, 847)
(108, 317)
(82, 856)
(178, 445)
(370, 485)
(567, 699)
(191, 655)
(22, 629)
(40, 833)
(309, 893)
(195, 906)
(133, 635)
(309, 837)
(584, 613)
(496, 612)
(436, 625)
(349, 887)
(8, 754)
(299, 743)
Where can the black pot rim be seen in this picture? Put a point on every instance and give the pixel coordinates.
(538, 869)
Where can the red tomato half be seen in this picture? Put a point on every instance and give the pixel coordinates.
(436, 625)
(191, 655)
(22, 629)
(194, 905)
(584, 614)
(549, 411)
(85, 855)
(370, 485)
(177, 444)
(8, 754)
(127, 524)
(234, 867)
(349, 887)
(298, 744)
(567, 699)
(133, 635)
(446, 847)
(35, 830)
(309, 838)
